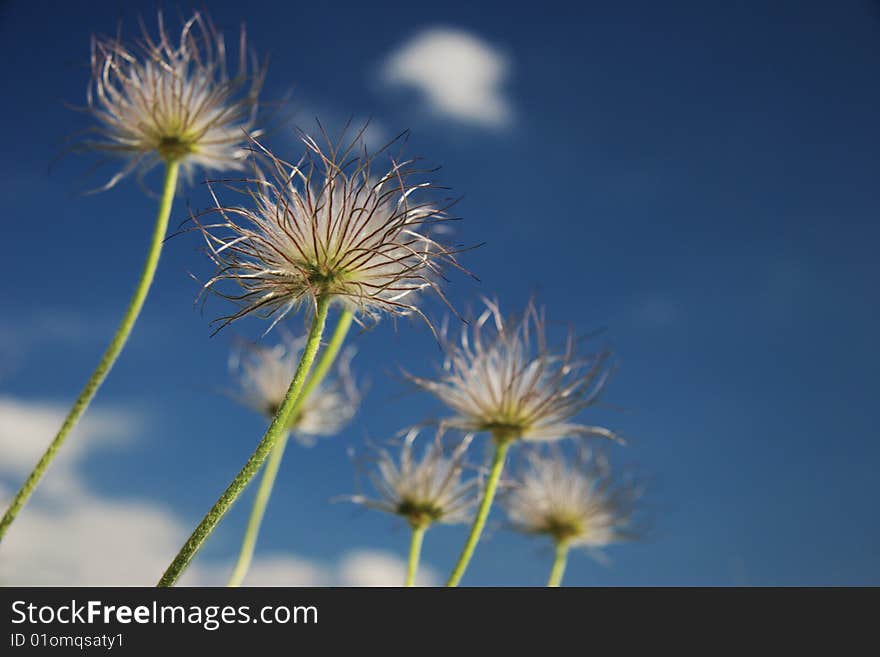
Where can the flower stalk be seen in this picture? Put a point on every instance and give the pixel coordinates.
(559, 562)
(107, 361)
(501, 447)
(276, 430)
(415, 551)
(264, 492)
(270, 472)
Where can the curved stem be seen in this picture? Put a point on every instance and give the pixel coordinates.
(558, 569)
(110, 355)
(249, 542)
(270, 472)
(482, 513)
(328, 357)
(415, 550)
(277, 429)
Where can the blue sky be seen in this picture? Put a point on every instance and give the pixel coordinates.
(698, 181)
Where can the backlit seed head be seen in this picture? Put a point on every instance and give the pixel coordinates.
(160, 99)
(265, 374)
(501, 377)
(422, 490)
(328, 225)
(574, 502)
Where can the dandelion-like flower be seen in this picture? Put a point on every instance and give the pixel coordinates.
(426, 490)
(501, 377)
(173, 101)
(578, 504)
(328, 227)
(265, 374)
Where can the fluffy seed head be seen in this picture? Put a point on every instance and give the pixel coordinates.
(422, 490)
(172, 100)
(328, 226)
(265, 374)
(500, 376)
(577, 502)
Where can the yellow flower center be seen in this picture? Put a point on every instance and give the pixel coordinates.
(419, 514)
(562, 528)
(505, 431)
(174, 148)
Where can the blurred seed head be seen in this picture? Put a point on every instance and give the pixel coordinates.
(265, 374)
(501, 377)
(328, 225)
(577, 502)
(422, 490)
(163, 99)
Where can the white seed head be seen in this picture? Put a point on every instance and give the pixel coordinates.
(422, 491)
(327, 226)
(164, 100)
(265, 374)
(577, 502)
(502, 377)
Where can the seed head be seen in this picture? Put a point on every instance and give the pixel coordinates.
(160, 100)
(265, 374)
(501, 377)
(423, 491)
(577, 503)
(328, 226)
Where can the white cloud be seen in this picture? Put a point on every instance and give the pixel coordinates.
(359, 567)
(459, 75)
(270, 570)
(79, 540)
(68, 536)
(27, 427)
(376, 568)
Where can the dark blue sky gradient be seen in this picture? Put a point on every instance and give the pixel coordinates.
(698, 179)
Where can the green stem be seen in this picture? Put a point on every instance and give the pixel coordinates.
(249, 542)
(558, 569)
(277, 429)
(328, 357)
(415, 550)
(110, 355)
(467, 552)
(270, 472)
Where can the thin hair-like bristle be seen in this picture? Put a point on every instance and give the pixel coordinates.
(423, 489)
(326, 224)
(159, 99)
(578, 500)
(500, 375)
(264, 374)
